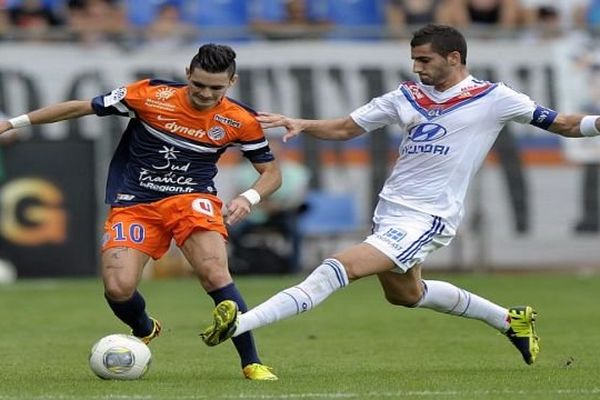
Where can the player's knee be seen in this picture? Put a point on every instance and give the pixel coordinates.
(407, 297)
(349, 267)
(212, 278)
(118, 290)
(398, 299)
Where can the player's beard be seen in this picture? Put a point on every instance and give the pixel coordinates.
(436, 76)
(426, 80)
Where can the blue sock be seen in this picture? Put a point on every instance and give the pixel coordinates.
(133, 313)
(244, 344)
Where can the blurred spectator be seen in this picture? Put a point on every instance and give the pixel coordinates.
(354, 19)
(97, 21)
(568, 12)
(55, 5)
(587, 15)
(543, 23)
(277, 214)
(33, 19)
(168, 29)
(219, 20)
(288, 19)
(141, 13)
(502, 14)
(402, 14)
(4, 20)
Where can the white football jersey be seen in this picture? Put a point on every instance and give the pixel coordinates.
(446, 137)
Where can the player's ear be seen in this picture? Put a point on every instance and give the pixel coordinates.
(188, 73)
(454, 58)
(233, 80)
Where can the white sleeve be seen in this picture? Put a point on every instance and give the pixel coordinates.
(379, 112)
(513, 106)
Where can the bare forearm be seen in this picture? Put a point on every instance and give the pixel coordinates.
(570, 125)
(268, 181)
(331, 129)
(61, 111)
(52, 113)
(328, 129)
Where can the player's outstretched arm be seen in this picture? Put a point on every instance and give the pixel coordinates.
(328, 129)
(576, 125)
(52, 113)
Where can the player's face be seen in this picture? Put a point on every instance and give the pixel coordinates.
(206, 89)
(432, 68)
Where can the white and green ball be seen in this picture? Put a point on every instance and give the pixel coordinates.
(118, 356)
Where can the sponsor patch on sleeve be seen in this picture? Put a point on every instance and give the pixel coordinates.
(543, 117)
(114, 97)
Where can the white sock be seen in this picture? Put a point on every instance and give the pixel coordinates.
(447, 298)
(322, 282)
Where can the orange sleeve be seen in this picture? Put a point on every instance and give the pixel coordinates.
(122, 101)
(252, 131)
(136, 94)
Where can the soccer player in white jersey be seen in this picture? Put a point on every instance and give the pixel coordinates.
(450, 121)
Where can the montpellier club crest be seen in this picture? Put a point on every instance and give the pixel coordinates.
(216, 133)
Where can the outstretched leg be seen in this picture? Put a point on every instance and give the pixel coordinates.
(322, 282)
(333, 274)
(518, 323)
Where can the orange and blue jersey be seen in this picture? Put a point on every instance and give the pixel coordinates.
(169, 147)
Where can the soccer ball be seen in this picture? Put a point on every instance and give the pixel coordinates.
(118, 356)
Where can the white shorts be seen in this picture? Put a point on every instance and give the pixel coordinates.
(405, 235)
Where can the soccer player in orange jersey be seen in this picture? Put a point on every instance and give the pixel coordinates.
(160, 183)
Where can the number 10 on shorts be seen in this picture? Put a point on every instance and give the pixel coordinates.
(135, 233)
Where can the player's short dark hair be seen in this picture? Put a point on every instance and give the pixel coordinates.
(444, 40)
(214, 58)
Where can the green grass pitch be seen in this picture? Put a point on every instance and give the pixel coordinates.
(354, 346)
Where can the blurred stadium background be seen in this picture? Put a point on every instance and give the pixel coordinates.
(534, 205)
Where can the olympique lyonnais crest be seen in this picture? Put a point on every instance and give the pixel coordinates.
(165, 93)
(430, 108)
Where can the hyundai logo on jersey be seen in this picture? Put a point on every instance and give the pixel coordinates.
(427, 132)
(423, 133)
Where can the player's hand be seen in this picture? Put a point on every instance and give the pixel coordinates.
(7, 138)
(270, 120)
(237, 210)
(5, 126)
